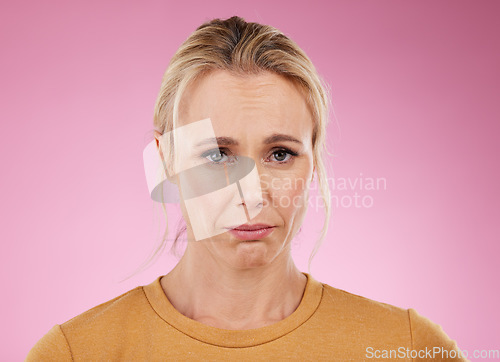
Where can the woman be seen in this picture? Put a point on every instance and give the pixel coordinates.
(240, 126)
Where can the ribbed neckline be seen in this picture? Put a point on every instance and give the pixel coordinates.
(234, 338)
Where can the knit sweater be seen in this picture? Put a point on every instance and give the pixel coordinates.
(329, 324)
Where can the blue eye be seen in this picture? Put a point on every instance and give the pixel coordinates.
(217, 156)
(221, 156)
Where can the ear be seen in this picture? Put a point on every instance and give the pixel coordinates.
(168, 170)
(157, 136)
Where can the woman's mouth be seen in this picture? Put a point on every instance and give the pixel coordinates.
(249, 232)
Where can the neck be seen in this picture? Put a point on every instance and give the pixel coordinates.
(228, 298)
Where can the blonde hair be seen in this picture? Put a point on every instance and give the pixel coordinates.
(242, 48)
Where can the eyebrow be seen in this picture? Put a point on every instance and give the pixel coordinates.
(228, 141)
(278, 137)
(221, 141)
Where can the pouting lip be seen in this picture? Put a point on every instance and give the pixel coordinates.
(250, 227)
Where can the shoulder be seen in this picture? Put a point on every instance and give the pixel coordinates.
(373, 323)
(390, 326)
(118, 307)
(110, 320)
(362, 308)
(53, 346)
(427, 335)
(107, 319)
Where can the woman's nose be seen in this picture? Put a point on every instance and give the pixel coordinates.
(251, 193)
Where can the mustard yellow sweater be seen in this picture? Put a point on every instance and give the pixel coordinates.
(329, 325)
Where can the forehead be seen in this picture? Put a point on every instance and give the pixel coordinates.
(237, 100)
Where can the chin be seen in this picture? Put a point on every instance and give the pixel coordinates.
(253, 254)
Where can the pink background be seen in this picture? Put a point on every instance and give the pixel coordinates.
(415, 88)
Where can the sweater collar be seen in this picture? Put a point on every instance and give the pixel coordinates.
(234, 338)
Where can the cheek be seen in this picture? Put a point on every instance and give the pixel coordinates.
(289, 195)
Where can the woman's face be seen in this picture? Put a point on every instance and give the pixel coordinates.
(263, 118)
